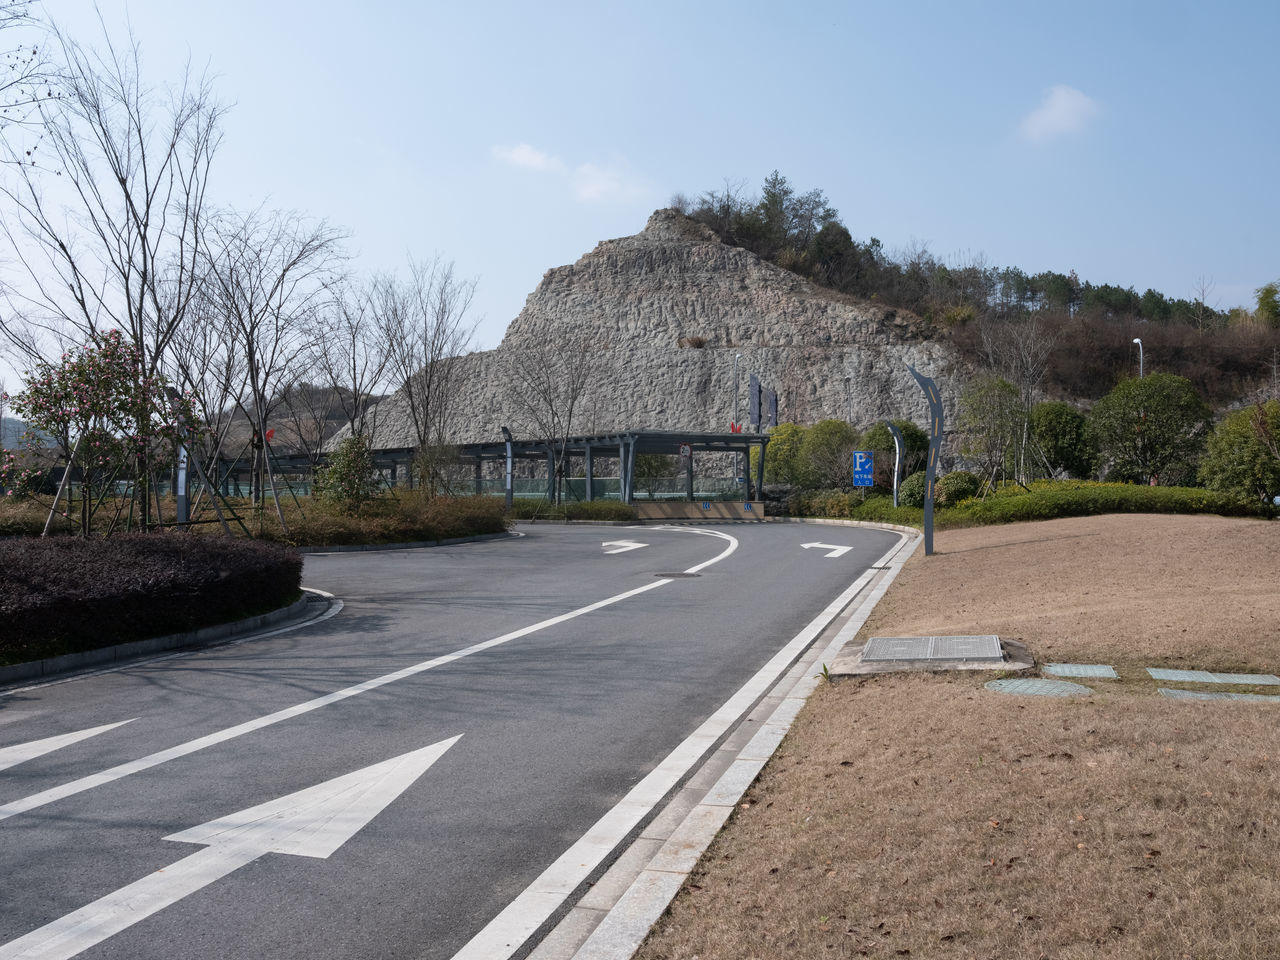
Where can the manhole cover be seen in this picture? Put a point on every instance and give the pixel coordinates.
(1040, 688)
(676, 576)
(882, 649)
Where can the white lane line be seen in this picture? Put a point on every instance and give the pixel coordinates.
(22, 752)
(313, 822)
(335, 607)
(519, 920)
(733, 544)
(240, 729)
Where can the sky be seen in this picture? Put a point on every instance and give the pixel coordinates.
(1135, 143)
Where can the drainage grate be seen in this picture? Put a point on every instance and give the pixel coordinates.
(880, 649)
(1096, 670)
(1204, 676)
(1040, 688)
(1205, 695)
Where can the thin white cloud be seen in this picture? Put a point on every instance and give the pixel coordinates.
(530, 158)
(1063, 111)
(589, 182)
(614, 181)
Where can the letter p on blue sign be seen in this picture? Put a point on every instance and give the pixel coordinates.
(863, 461)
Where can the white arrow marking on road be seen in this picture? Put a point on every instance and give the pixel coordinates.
(22, 752)
(310, 823)
(622, 546)
(835, 550)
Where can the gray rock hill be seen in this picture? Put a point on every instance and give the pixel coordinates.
(663, 314)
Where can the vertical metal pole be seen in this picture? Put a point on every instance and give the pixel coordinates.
(184, 512)
(935, 449)
(588, 468)
(506, 435)
(551, 474)
(688, 476)
(736, 358)
(631, 470)
(622, 471)
(479, 479)
(759, 474)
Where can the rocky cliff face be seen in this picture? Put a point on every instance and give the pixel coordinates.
(663, 314)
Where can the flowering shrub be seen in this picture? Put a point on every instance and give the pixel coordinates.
(111, 418)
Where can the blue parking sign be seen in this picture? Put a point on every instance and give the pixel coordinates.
(862, 468)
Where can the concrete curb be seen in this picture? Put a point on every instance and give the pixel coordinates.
(70, 662)
(615, 916)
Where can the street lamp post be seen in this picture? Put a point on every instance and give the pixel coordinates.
(848, 400)
(736, 358)
(1138, 341)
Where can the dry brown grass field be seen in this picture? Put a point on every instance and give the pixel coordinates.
(922, 815)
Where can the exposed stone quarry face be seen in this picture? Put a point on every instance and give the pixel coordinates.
(664, 313)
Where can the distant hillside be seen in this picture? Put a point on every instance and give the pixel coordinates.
(11, 431)
(673, 320)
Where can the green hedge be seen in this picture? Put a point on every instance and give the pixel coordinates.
(410, 518)
(63, 594)
(1045, 500)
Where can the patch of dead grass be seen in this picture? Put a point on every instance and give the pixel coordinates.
(923, 815)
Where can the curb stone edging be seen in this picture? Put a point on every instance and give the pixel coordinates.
(68, 662)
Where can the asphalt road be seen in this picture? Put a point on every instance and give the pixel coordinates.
(385, 782)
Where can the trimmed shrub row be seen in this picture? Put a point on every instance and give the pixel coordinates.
(411, 518)
(63, 595)
(1045, 500)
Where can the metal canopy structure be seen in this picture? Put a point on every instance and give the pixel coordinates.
(624, 446)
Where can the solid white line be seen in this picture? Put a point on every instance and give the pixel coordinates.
(239, 730)
(733, 544)
(22, 752)
(519, 920)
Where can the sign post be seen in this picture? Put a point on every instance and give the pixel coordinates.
(863, 462)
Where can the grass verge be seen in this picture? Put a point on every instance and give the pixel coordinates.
(923, 815)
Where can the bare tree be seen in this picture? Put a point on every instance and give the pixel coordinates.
(310, 410)
(1019, 350)
(267, 278)
(351, 354)
(425, 330)
(123, 249)
(1203, 314)
(550, 382)
(27, 78)
(118, 247)
(209, 366)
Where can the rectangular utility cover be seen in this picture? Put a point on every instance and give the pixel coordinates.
(985, 648)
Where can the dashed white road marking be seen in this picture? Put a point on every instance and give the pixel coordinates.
(22, 752)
